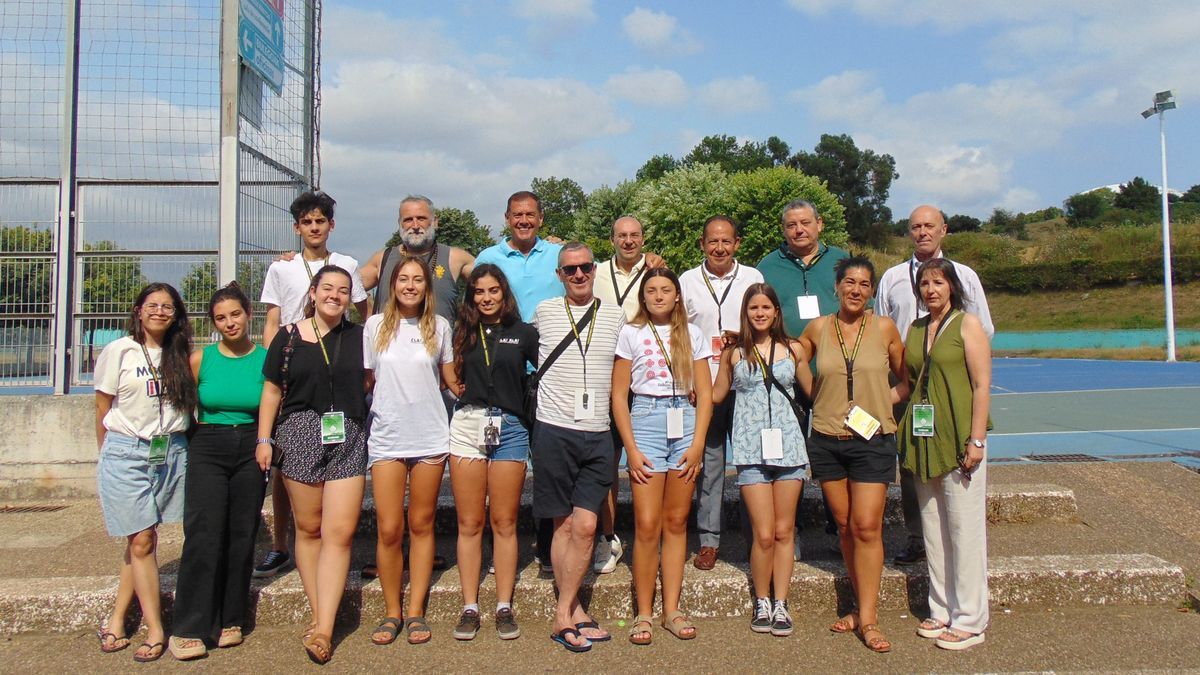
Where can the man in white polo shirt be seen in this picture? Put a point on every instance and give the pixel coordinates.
(712, 293)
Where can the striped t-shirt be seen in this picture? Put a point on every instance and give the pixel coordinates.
(556, 391)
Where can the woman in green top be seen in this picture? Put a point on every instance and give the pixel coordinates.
(224, 485)
(943, 442)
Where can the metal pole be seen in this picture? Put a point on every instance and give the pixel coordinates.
(310, 61)
(64, 277)
(1166, 236)
(230, 71)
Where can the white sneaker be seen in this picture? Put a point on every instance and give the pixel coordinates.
(605, 564)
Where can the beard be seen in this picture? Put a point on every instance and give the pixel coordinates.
(419, 242)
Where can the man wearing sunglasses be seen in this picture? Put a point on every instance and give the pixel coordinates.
(573, 462)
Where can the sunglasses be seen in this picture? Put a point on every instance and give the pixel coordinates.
(570, 270)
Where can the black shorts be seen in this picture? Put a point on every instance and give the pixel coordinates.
(571, 469)
(872, 461)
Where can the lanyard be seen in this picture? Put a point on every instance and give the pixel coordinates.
(849, 358)
(912, 279)
(762, 364)
(804, 268)
(154, 375)
(309, 269)
(666, 356)
(927, 351)
(583, 347)
(487, 361)
(612, 269)
(713, 292)
(328, 364)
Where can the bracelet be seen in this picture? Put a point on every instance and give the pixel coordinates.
(268, 441)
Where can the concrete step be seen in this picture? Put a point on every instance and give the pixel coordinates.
(1007, 503)
(80, 603)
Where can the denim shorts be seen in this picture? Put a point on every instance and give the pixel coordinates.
(753, 474)
(649, 415)
(135, 496)
(464, 436)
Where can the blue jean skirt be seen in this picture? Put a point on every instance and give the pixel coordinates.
(134, 495)
(649, 417)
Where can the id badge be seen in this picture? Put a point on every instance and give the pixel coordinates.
(159, 443)
(585, 404)
(861, 422)
(922, 420)
(674, 423)
(489, 428)
(333, 428)
(808, 306)
(772, 443)
(717, 345)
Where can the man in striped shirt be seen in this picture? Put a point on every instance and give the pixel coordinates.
(573, 459)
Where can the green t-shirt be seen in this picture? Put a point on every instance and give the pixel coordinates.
(791, 278)
(229, 387)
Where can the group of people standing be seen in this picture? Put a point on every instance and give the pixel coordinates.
(553, 359)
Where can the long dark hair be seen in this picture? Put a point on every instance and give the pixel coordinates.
(310, 309)
(681, 338)
(957, 294)
(174, 368)
(466, 324)
(746, 338)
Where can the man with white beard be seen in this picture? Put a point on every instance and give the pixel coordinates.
(418, 238)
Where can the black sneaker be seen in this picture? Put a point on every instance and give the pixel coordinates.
(468, 625)
(762, 616)
(781, 621)
(910, 556)
(273, 563)
(506, 624)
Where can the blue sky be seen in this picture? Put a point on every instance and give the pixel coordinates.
(1016, 104)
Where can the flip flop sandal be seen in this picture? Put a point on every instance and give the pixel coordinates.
(635, 630)
(584, 625)
(931, 629)
(416, 624)
(319, 648)
(846, 624)
(878, 644)
(230, 637)
(391, 627)
(155, 653)
(674, 627)
(561, 638)
(110, 643)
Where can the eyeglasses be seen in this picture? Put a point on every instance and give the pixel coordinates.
(570, 270)
(154, 308)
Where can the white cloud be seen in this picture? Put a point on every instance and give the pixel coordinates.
(356, 33)
(658, 32)
(657, 87)
(572, 11)
(735, 95)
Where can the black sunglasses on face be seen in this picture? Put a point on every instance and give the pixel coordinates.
(570, 270)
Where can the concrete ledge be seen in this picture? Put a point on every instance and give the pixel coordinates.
(80, 603)
(1006, 504)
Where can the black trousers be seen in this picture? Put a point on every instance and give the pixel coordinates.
(223, 496)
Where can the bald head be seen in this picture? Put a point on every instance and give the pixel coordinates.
(627, 241)
(926, 228)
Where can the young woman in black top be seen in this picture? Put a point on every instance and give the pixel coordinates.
(318, 362)
(492, 347)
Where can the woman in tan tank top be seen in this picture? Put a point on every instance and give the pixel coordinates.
(853, 443)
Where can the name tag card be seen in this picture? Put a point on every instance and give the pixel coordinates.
(772, 444)
(922, 420)
(585, 404)
(674, 423)
(808, 306)
(860, 422)
(717, 345)
(489, 429)
(159, 443)
(333, 428)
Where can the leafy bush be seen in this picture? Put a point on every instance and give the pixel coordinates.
(977, 248)
(1084, 273)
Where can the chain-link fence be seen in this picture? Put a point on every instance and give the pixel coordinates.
(132, 143)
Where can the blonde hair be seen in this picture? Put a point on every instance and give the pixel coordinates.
(681, 338)
(391, 313)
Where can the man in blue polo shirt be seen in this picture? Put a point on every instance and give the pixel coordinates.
(529, 262)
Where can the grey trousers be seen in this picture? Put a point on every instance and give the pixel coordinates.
(912, 510)
(712, 475)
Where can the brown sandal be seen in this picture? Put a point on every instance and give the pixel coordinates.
(635, 631)
(671, 622)
(846, 624)
(878, 644)
(319, 648)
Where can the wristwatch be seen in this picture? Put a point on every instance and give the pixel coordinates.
(976, 442)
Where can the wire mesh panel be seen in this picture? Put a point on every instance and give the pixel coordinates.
(31, 77)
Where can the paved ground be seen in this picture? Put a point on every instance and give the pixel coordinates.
(1107, 639)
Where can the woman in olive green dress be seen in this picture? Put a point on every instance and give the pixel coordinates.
(943, 441)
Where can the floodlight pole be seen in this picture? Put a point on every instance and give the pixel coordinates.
(227, 238)
(1166, 237)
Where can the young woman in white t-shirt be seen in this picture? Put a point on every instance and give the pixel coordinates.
(658, 357)
(145, 395)
(408, 356)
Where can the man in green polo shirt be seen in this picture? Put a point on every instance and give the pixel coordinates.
(801, 269)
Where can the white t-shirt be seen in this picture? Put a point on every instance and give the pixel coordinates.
(407, 417)
(122, 371)
(703, 310)
(648, 368)
(556, 391)
(287, 281)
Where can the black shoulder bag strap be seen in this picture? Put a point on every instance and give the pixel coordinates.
(276, 452)
(797, 407)
(562, 346)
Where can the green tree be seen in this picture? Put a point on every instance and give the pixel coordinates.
(110, 283)
(1085, 208)
(724, 151)
(1192, 195)
(561, 199)
(26, 284)
(1138, 195)
(593, 224)
(963, 223)
(456, 227)
(656, 167)
(860, 178)
(1004, 221)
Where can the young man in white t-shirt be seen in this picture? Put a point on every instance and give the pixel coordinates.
(285, 291)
